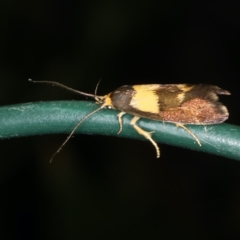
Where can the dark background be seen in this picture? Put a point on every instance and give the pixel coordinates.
(110, 188)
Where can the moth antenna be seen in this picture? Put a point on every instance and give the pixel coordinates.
(95, 92)
(74, 129)
(63, 86)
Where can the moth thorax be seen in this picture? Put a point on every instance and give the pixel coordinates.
(121, 97)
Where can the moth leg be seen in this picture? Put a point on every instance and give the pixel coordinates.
(147, 135)
(119, 116)
(186, 129)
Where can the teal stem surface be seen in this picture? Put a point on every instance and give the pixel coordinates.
(61, 117)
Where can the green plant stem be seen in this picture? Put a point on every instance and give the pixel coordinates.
(61, 117)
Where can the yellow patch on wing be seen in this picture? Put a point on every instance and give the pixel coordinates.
(145, 99)
(185, 88)
(181, 97)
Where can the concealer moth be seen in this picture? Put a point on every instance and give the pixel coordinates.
(179, 104)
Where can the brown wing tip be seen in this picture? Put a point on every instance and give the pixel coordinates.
(222, 92)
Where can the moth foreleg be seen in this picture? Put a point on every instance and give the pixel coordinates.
(146, 134)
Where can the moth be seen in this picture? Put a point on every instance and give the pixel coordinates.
(179, 104)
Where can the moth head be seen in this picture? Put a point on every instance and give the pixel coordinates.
(104, 101)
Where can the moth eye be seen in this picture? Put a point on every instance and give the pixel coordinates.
(109, 107)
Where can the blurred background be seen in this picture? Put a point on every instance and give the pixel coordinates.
(103, 187)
